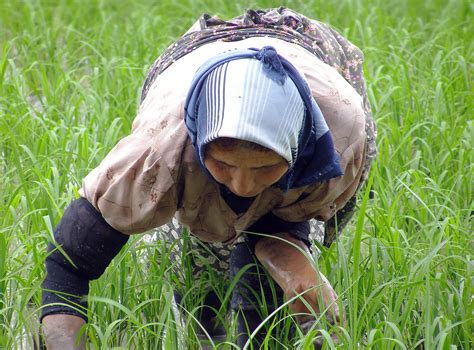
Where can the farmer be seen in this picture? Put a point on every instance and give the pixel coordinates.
(256, 125)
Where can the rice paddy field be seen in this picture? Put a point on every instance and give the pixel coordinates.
(70, 79)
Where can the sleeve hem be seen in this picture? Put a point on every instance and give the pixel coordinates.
(62, 310)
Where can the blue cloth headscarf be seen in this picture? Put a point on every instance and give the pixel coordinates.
(245, 94)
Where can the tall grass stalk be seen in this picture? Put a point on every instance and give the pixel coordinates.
(70, 77)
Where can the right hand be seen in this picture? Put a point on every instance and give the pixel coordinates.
(61, 332)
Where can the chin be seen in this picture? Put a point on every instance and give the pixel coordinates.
(249, 195)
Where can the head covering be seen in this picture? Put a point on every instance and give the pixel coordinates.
(246, 94)
(241, 101)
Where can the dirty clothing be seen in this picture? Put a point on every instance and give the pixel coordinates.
(152, 176)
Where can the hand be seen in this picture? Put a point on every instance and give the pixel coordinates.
(318, 295)
(61, 332)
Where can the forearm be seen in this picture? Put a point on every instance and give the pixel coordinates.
(289, 263)
(282, 256)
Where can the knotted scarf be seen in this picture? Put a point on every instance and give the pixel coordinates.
(257, 95)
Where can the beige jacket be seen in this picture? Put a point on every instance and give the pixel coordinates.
(152, 175)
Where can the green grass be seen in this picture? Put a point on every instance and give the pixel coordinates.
(70, 77)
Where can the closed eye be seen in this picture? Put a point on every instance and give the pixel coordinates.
(223, 164)
(266, 167)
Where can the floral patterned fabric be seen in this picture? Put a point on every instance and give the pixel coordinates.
(152, 174)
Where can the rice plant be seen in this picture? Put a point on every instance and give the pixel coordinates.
(70, 79)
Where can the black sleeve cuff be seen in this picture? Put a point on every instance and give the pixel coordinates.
(64, 292)
(270, 224)
(85, 244)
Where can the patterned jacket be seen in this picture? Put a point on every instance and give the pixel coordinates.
(152, 174)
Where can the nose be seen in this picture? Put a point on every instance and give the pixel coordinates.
(243, 183)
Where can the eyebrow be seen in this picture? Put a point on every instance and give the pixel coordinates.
(233, 166)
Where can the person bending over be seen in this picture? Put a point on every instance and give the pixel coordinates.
(255, 125)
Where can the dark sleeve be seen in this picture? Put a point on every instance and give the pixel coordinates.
(271, 224)
(84, 246)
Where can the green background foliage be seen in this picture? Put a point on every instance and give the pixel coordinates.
(70, 77)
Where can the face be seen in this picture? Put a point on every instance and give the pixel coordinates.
(244, 172)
